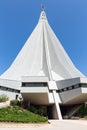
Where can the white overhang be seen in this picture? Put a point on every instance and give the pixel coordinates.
(10, 83)
(69, 82)
(74, 91)
(36, 95)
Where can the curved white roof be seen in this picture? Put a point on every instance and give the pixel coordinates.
(42, 55)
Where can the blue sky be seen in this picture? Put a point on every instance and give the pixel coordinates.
(68, 19)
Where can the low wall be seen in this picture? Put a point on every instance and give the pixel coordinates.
(4, 104)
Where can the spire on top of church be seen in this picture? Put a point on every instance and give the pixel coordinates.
(43, 7)
(43, 14)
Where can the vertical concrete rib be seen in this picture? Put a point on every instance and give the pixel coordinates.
(57, 105)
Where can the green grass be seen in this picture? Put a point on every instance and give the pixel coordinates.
(3, 98)
(18, 114)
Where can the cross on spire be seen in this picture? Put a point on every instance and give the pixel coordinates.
(42, 7)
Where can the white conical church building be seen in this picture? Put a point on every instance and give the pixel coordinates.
(44, 74)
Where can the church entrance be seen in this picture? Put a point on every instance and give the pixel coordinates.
(49, 112)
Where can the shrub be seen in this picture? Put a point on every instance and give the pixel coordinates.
(33, 109)
(38, 110)
(82, 112)
(14, 102)
(3, 98)
(41, 111)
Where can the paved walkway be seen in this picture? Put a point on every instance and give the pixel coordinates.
(53, 125)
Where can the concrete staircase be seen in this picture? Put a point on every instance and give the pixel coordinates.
(73, 110)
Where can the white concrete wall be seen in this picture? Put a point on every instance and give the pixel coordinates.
(34, 90)
(83, 80)
(10, 83)
(51, 99)
(11, 95)
(34, 79)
